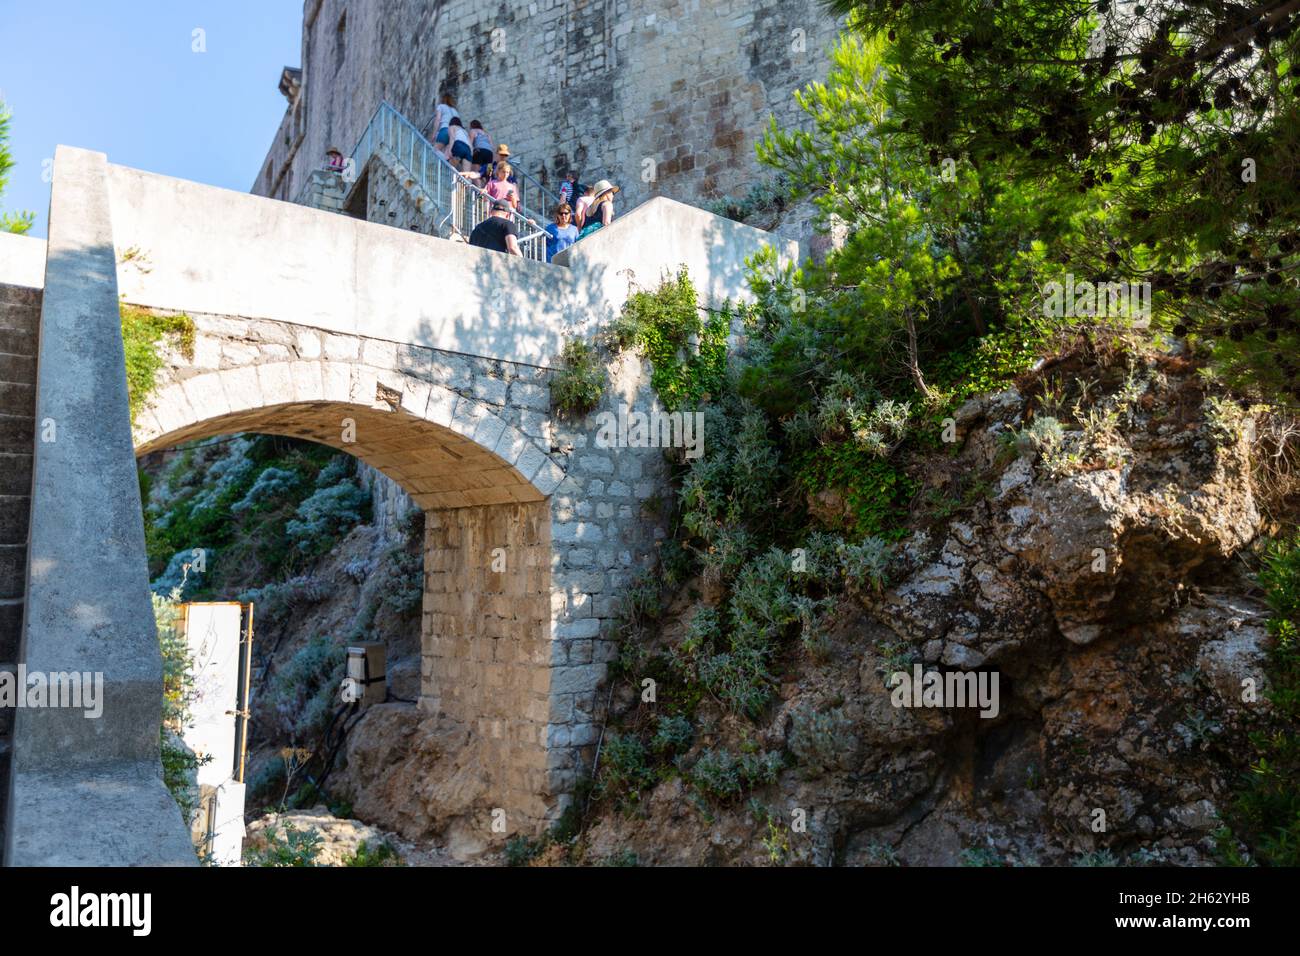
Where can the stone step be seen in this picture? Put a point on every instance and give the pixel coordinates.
(20, 296)
(15, 510)
(17, 368)
(16, 434)
(13, 570)
(20, 318)
(15, 474)
(11, 623)
(18, 341)
(17, 398)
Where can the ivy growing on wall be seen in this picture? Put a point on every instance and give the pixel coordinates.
(576, 389)
(687, 352)
(143, 332)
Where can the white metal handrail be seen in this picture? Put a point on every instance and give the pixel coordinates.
(465, 203)
(470, 206)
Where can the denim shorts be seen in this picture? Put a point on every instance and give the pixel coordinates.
(461, 151)
(443, 137)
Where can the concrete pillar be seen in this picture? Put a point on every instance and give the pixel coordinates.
(88, 790)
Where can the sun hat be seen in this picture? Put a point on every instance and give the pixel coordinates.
(603, 187)
(503, 149)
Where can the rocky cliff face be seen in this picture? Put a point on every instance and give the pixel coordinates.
(1099, 578)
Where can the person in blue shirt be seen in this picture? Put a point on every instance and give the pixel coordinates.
(561, 233)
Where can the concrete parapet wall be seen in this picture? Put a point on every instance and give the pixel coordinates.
(315, 268)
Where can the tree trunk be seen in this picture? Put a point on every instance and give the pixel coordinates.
(913, 362)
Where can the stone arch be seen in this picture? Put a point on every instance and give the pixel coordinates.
(446, 449)
(483, 484)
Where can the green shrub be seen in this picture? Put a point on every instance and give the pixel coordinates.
(179, 762)
(295, 848)
(624, 771)
(821, 740)
(271, 486)
(673, 734)
(876, 493)
(767, 196)
(1096, 858)
(381, 855)
(740, 678)
(274, 601)
(577, 388)
(724, 777)
(980, 857)
(401, 587)
(340, 468)
(305, 689)
(520, 850)
(1265, 811)
(327, 515)
(621, 858)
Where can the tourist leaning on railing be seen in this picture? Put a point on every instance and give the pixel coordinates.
(497, 232)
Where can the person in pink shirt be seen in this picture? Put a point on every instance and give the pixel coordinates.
(500, 187)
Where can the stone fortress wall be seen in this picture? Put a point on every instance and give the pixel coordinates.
(599, 86)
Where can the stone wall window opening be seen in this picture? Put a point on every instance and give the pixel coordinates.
(340, 41)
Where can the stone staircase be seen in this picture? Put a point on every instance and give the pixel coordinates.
(449, 204)
(20, 312)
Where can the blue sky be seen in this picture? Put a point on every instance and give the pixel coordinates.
(122, 78)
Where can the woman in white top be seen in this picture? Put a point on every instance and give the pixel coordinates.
(442, 115)
(460, 148)
(580, 208)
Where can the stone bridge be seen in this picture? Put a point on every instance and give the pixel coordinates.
(427, 359)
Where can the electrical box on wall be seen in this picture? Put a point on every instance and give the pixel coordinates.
(367, 678)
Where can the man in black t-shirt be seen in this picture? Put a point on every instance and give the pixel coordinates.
(497, 232)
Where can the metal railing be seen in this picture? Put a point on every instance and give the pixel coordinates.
(533, 196)
(536, 199)
(471, 205)
(462, 203)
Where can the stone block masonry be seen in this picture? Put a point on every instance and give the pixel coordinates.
(532, 531)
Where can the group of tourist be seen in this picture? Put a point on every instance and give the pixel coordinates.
(581, 210)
